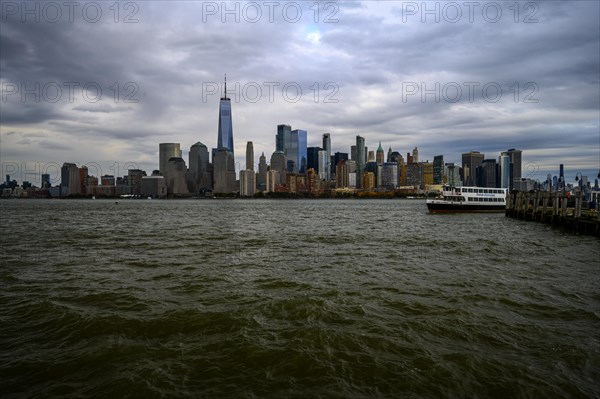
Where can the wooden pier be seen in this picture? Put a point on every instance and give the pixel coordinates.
(555, 208)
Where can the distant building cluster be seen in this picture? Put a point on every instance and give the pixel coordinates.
(293, 169)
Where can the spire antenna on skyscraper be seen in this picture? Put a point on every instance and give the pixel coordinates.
(225, 96)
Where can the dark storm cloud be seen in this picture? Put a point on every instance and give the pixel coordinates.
(171, 54)
(15, 114)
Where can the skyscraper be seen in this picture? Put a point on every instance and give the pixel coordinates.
(402, 169)
(262, 173)
(504, 170)
(438, 169)
(175, 174)
(515, 165)
(338, 156)
(283, 138)
(297, 151)
(427, 174)
(69, 182)
(279, 163)
(199, 165)
(225, 133)
(368, 181)
(167, 151)
(471, 160)
(389, 175)
(379, 158)
(293, 143)
(224, 171)
(46, 180)
(313, 182)
(249, 156)
(342, 175)
(371, 157)
(372, 167)
(327, 149)
(515, 159)
(351, 173)
(83, 175)
(273, 179)
(414, 174)
(452, 174)
(486, 175)
(247, 183)
(312, 156)
(153, 186)
(415, 155)
(134, 180)
(395, 156)
(322, 164)
(360, 158)
(561, 177)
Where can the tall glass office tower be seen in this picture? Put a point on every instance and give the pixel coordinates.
(293, 144)
(327, 149)
(283, 138)
(225, 134)
(296, 153)
(300, 137)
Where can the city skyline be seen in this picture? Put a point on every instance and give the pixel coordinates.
(373, 54)
(217, 173)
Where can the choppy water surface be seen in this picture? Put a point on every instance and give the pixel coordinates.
(295, 298)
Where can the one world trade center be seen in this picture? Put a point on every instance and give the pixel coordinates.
(225, 138)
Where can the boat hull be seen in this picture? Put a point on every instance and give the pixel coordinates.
(438, 207)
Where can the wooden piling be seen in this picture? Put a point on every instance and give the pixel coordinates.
(545, 205)
(554, 210)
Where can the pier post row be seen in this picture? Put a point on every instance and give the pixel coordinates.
(559, 208)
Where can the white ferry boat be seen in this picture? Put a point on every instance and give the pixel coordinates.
(469, 199)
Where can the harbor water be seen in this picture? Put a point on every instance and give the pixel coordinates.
(292, 298)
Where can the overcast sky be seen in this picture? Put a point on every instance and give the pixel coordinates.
(497, 76)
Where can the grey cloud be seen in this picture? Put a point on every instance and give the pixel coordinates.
(170, 53)
(104, 108)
